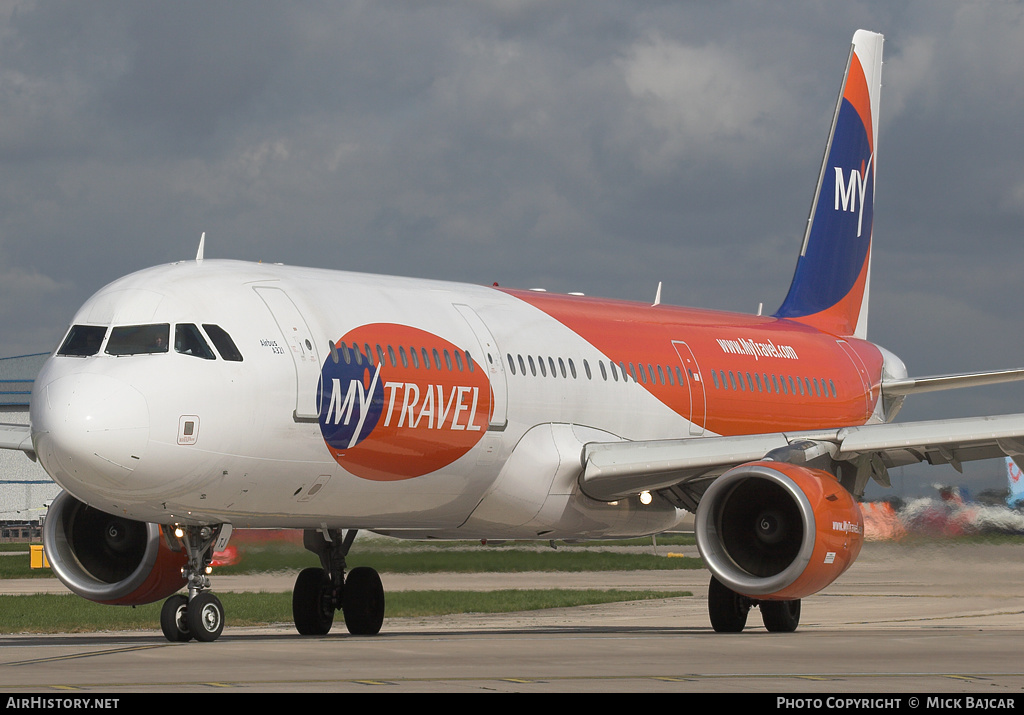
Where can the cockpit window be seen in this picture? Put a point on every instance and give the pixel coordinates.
(83, 341)
(138, 339)
(223, 342)
(189, 341)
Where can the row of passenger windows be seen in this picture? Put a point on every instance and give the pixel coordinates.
(672, 375)
(544, 366)
(772, 383)
(415, 357)
(86, 340)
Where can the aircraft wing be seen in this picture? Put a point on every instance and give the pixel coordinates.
(17, 437)
(685, 467)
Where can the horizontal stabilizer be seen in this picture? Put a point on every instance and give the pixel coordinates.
(934, 383)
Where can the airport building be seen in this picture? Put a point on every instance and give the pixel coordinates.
(25, 489)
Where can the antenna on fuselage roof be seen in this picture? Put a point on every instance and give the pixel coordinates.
(657, 296)
(202, 244)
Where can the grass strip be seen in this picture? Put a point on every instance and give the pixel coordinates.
(264, 559)
(67, 613)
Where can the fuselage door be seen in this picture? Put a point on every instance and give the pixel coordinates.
(698, 403)
(489, 359)
(862, 372)
(300, 343)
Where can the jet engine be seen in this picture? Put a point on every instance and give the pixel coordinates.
(776, 531)
(110, 559)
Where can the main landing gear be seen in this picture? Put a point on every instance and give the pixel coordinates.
(200, 614)
(728, 611)
(320, 592)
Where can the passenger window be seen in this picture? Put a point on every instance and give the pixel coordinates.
(139, 339)
(223, 342)
(511, 363)
(189, 341)
(82, 341)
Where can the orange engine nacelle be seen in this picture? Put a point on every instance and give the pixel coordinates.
(776, 531)
(109, 559)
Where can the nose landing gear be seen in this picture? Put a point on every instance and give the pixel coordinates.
(200, 614)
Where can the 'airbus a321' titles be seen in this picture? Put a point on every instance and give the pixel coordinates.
(191, 399)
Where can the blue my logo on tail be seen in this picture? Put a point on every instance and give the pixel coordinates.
(830, 287)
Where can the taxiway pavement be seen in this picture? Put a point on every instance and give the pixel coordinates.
(904, 619)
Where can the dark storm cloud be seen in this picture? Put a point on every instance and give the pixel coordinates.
(594, 146)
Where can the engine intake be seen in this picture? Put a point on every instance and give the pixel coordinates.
(778, 531)
(109, 559)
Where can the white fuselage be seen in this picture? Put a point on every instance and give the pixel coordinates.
(170, 437)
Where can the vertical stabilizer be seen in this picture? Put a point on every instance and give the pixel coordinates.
(830, 285)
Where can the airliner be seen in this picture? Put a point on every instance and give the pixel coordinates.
(191, 399)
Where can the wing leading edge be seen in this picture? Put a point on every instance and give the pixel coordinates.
(683, 468)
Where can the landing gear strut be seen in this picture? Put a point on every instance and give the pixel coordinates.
(320, 592)
(729, 610)
(200, 614)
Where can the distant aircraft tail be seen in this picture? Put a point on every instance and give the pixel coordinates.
(830, 286)
(1014, 483)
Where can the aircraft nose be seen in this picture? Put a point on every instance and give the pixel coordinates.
(91, 432)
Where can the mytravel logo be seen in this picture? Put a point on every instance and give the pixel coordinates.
(397, 402)
(850, 194)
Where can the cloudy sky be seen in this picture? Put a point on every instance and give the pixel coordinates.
(590, 145)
